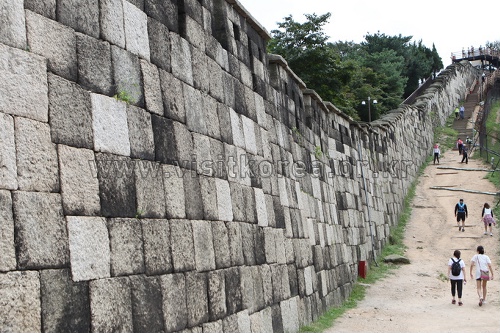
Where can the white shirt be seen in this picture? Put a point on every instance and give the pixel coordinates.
(481, 261)
(462, 265)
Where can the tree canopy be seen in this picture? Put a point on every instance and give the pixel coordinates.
(382, 67)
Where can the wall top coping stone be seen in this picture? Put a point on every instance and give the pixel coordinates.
(251, 20)
(279, 60)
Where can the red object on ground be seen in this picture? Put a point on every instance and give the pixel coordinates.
(362, 269)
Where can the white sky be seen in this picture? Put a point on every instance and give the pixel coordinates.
(450, 25)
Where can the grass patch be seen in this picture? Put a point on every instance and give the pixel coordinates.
(446, 135)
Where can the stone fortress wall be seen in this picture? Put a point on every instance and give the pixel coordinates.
(214, 193)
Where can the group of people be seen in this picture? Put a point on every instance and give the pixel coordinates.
(463, 149)
(459, 112)
(480, 268)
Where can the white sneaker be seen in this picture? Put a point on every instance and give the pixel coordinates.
(491, 234)
(485, 233)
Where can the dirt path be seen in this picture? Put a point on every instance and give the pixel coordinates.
(414, 298)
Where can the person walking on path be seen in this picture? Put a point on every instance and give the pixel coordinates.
(465, 155)
(457, 281)
(437, 152)
(460, 145)
(456, 113)
(483, 272)
(462, 112)
(461, 214)
(488, 219)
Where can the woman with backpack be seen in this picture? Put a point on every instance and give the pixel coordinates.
(456, 273)
(484, 272)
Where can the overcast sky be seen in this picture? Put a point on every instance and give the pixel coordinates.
(450, 25)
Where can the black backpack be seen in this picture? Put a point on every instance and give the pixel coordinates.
(455, 267)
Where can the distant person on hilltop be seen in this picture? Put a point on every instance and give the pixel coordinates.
(460, 145)
(456, 113)
(462, 112)
(461, 214)
(437, 152)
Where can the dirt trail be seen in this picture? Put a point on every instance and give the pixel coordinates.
(414, 298)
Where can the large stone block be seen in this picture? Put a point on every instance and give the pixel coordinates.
(140, 131)
(216, 87)
(152, 88)
(248, 243)
(225, 123)
(147, 313)
(203, 246)
(150, 192)
(221, 244)
(8, 172)
(41, 236)
(201, 76)
(94, 64)
(157, 249)
(165, 11)
(55, 42)
(235, 243)
(195, 115)
(12, 24)
(111, 305)
(36, 156)
(224, 203)
(250, 204)
(79, 184)
(201, 153)
(70, 110)
(173, 142)
(81, 15)
(111, 19)
(136, 30)
(247, 288)
(183, 251)
(174, 192)
(89, 247)
(46, 8)
(238, 202)
(210, 107)
(197, 298)
(60, 312)
(192, 191)
(173, 97)
(7, 248)
(234, 300)
(209, 198)
(174, 302)
(116, 185)
(216, 295)
(20, 307)
(23, 74)
(126, 249)
(127, 76)
(193, 32)
(237, 129)
(110, 125)
(159, 43)
(260, 206)
(181, 58)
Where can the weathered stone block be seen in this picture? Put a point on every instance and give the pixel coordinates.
(234, 301)
(195, 115)
(159, 43)
(173, 142)
(209, 198)
(41, 236)
(138, 3)
(237, 129)
(250, 205)
(197, 298)
(79, 184)
(20, 308)
(53, 41)
(136, 30)
(247, 288)
(203, 246)
(235, 243)
(147, 314)
(46, 8)
(7, 248)
(140, 131)
(81, 15)
(126, 250)
(60, 312)
(216, 295)
(111, 20)
(225, 123)
(181, 58)
(216, 87)
(165, 11)
(8, 172)
(23, 74)
(127, 76)
(249, 135)
(157, 251)
(201, 75)
(174, 302)
(221, 245)
(183, 253)
(111, 305)
(152, 88)
(12, 24)
(110, 125)
(267, 287)
(248, 243)
(36, 156)
(210, 106)
(237, 200)
(173, 97)
(258, 288)
(213, 327)
(201, 153)
(116, 185)
(193, 32)
(94, 64)
(149, 189)
(70, 111)
(224, 204)
(192, 190)
(260, 206)
(228, 83)
(89, 247)
(174, 192)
